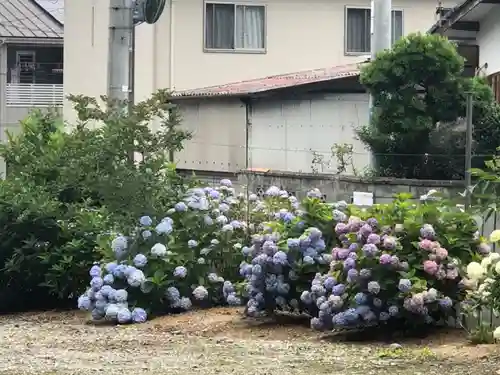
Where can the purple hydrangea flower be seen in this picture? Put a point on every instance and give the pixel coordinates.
(338, 289)
(373, 238)
(139, 315)
(385, 259)
(369, 249)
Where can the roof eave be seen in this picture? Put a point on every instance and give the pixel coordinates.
(453, 16)
(33, 40)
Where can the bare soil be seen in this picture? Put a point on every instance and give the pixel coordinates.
(221, 341)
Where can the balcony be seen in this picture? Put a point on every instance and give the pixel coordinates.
(34, 95)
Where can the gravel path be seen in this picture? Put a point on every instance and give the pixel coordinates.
(218, 341)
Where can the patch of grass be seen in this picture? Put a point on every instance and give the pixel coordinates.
(406, 353)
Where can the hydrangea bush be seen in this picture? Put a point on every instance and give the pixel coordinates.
(190, 257)
(350, 267)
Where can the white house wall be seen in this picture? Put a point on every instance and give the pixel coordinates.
(488, 40)
(218, 128)
(284, 134)
(301, 35)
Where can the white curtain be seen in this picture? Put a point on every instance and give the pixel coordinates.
(250, 29)
(397, 25)
(358, 30)
(219, 26)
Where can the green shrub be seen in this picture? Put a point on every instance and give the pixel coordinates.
(65, 187)
(45, 247)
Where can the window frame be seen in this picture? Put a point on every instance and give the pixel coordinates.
(346, 9)
(233, 50)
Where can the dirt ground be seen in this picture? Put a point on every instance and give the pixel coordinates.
(220, 341)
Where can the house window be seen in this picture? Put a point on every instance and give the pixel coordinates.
(234, 27)
(358, 30)
(494, 80)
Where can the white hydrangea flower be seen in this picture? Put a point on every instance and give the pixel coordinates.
(475, 271)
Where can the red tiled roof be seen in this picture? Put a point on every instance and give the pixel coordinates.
(281, 81)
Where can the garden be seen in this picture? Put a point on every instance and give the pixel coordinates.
(171, 275)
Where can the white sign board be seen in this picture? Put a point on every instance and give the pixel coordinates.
(360, 198)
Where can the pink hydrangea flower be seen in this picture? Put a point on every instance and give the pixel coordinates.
(430, 267)
(426, 245)
(441, 253)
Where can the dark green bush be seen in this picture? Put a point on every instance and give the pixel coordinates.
(64, 187)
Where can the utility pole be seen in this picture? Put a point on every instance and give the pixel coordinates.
(468, 150)
(121, 50)
(381, 35)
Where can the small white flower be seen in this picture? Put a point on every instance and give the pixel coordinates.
(496, 333)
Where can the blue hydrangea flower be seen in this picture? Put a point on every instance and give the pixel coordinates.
(192, 244)
(124, 316)
(97, 314)
(369, 249)
(280, 258)
(308, 260)
(159, 250)
(172, 293)
(404, 285)
(393, 310)
(201, 260)
(225, 182)
(96, 283)
(136, 278)
(185, 303)
(208, 220)
(84, 303)
(111, 311)
(227, 228)
(360, 298)
(105, 291)
(373, 287)
(145, 221)
(165, 227)
(119, 270)
(139, 315)
(338, 289)
(445, 303)
(180, 271)
(200, 293)
(146, 234)
(140, 260)
(119, 246)
(110, 267)
(108, 279)
(95, 271)
(181, 207)
(273, 191)
(223, 207)
(329, 283)
(233, 300)
(121, 296)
